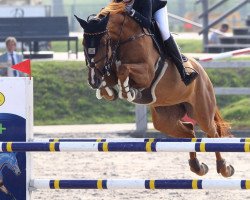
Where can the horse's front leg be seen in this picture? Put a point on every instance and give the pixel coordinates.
(108, 93)
(132, 78)
(126, 91)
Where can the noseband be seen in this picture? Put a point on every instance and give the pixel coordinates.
(105, 70)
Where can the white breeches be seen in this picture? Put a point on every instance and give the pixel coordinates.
(161, 17)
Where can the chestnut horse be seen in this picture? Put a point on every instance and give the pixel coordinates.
(121, 55)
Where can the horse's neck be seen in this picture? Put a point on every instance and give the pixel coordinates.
(135, 30)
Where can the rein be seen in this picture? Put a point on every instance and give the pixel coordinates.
(114, 49)
(135, 37)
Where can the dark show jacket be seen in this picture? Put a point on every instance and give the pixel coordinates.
(143, 11)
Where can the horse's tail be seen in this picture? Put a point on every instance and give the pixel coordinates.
(223, 127)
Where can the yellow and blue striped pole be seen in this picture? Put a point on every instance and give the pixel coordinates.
(208, 140)
(124, 147)
(141, 184)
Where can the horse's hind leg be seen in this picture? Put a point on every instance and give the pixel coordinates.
(223, 130)
(213, 125)
(167, 120)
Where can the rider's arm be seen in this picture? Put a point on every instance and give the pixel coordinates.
(142, 12)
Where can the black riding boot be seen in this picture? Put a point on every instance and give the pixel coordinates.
(174, 53)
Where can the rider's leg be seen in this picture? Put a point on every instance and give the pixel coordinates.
(161, 17)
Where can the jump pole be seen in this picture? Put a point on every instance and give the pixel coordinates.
(206, 140)
(114, 184)
(226, 55)
(123, 147)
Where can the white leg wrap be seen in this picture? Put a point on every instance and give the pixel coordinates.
(161, 17)
(125, 84)
(103, 83)
(131, 96)
(109, 91)
(98, 94)
(118, 63)
(92, 76)
(120, 89)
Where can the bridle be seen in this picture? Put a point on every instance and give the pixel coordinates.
(90, 62)
(115, 45)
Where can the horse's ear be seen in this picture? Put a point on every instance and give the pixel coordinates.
(105, 19)
(82, 22)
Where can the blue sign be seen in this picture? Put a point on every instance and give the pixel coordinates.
(12, 165)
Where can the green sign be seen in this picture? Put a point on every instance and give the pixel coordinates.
(2, 128)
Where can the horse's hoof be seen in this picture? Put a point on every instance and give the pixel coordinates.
(228, 172)
(231, 170)
(224, 170)
(204, 169)
(197, 168)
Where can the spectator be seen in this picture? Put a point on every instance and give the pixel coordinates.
(215, 37)
(11, 57)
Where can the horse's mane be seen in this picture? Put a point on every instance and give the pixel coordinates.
(112, 8)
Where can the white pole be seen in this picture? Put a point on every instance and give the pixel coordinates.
(226, 55)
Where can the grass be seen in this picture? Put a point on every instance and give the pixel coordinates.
(238, 113)
(62, 96)
(62, 46)
(230, 77)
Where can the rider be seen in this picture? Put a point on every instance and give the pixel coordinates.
(143, 11)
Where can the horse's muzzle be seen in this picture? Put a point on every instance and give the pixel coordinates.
(96, 84)
(93, 79)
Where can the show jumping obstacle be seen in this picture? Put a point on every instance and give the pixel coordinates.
(12, 115)
(123, 147)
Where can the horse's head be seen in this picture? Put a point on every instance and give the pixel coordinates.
(96, 48)
(104, 37)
